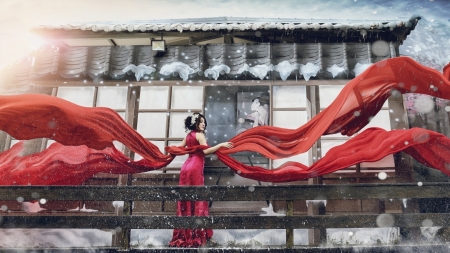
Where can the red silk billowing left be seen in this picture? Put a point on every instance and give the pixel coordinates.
(86, 135)
(32, 116)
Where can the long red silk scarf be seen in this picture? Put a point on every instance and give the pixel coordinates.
(86, 135)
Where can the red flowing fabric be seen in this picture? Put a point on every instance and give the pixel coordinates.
(64, 165)
(35, 116)
(359, 100)
(32, 116)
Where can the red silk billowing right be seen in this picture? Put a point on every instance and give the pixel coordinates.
(428, 147)
(359, 100)
(34, 116)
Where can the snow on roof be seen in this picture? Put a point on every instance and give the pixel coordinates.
(235, 23)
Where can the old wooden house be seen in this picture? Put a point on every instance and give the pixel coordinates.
(156, 72)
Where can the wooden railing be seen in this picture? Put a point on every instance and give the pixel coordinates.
(222, 193)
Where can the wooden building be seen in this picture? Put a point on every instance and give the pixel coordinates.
(155, 73)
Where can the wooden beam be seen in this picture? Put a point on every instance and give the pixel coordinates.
(89, 83)
(226, 193)
(398, 248)
(220, 222)
(62, 34)
(194, 40)
(323, 35)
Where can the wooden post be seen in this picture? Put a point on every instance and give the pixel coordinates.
(122, 236)
(316, 236)
(3, 137)
(289, 231)
(404, 163)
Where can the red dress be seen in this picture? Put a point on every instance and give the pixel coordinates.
(192, 174)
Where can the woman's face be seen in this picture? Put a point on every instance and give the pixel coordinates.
(201, 125)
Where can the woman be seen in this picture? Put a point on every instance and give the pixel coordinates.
(192, 174)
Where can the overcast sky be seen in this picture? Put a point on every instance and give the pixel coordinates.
(18, 16)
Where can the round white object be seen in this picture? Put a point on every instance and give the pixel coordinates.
(424, 104)
(380, 48)
(382, 175)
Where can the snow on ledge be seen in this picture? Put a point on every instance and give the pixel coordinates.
(216, 70)
(177, 67)
(285, 69)
(359, 68)
(139, 71)
(335, 70)
(309, 70)
(259, 71)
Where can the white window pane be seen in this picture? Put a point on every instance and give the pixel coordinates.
(13, 142)
(187, 97)
(328, 144)
(289, 119)
(112, 97)
(83, 96)
(328, 93)
(50, 142)
(159, 144)
(122, 114)
(380, 120)
(179, 160)
(289, 96)
(301, 158)
(119, 145)
(176, 129)
(154, 97)
(387, 161)
(152, 125)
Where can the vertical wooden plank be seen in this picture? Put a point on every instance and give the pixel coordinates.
(315, 236)
(289, 231)
(271, 114)
(404, 164)
(358, 172)
(3, 136)
(122, 236)
(169, 107)
(313, 108)
(398, 120)
(412, 234)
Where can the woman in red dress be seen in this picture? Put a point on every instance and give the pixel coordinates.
(192, 174)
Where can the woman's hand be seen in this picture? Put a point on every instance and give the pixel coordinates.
(226, 144)
(218, 146)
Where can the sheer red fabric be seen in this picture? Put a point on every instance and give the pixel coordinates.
(86, 134)
(192, 174)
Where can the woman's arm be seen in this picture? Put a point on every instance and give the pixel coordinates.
(183, 143)
(202, 140)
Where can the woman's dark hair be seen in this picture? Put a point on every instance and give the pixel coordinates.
(189, 125)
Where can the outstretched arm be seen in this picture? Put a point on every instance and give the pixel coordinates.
(202, 140)
(183, 143)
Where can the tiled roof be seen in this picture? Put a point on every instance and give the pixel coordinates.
(216, 61)
(232, 24)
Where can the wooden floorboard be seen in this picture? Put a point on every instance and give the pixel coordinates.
(424, 248)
